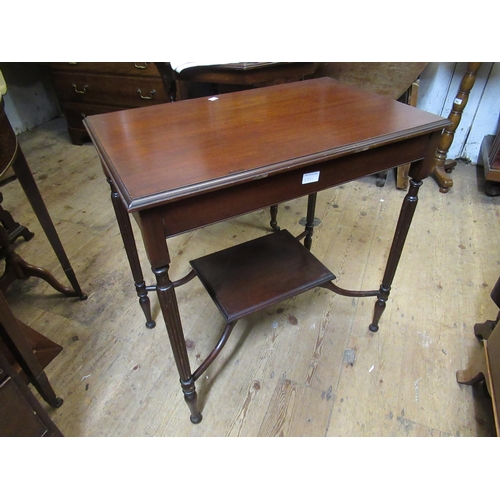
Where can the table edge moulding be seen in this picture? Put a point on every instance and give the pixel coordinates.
(185, 165)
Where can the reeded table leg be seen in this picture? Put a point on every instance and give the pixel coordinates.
(405, 218)
(170, 310)
(127, 234)
(150, 223)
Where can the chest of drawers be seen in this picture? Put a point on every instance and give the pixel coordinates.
(85, 89)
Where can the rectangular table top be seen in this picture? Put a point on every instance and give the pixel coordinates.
(167, 152)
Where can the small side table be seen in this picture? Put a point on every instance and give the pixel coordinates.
(166, 169)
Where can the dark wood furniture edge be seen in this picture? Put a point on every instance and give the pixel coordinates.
(28, 349)
(44, 349)
(32, 409)
(134, 204)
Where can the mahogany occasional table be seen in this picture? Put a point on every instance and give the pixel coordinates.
(180, 166)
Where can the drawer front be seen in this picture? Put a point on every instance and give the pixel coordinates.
(127, 91)
(121, 68)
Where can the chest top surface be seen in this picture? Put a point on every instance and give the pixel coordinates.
(170, 151)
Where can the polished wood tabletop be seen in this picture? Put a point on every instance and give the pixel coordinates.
(171, 151)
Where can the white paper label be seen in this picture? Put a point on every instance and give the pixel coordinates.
(458, 101)
(310, 177)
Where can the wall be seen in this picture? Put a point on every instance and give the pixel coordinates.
(30, 99)
(439, 85)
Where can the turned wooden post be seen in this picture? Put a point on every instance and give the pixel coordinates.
(406, 215)
(442, 167)
(127, 235)
(158, 254)
(170, 310)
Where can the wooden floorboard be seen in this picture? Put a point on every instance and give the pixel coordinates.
(306, 367)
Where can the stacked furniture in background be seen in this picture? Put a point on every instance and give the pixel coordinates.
(86, 89)
(24, 352)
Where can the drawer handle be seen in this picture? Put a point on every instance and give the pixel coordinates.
(85, 87)
(151, 94)
(141, 65)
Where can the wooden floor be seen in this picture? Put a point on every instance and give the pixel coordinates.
(306, 367)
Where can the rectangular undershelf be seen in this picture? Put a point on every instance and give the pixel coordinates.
(254, 275)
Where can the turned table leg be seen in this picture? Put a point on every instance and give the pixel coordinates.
(150, 223)
(274, 218)
(442, 167)
(127, 234)
(170, 310)
(311, 208)
(405, 218)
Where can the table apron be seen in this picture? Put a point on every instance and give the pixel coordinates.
(203, 209)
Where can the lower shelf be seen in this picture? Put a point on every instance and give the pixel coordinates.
(259, 273)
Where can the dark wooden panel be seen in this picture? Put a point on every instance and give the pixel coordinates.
(122, 68)
(17, 418)
(116, 90)
(259, 273)
(76, 112)
(246, 73)
(21, 415)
